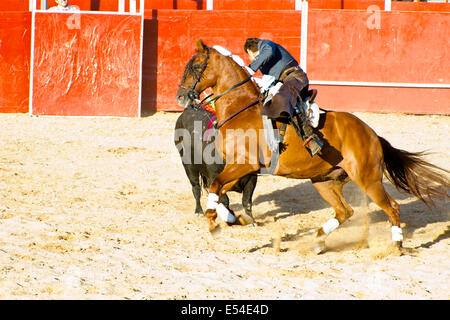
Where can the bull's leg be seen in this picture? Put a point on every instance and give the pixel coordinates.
(226, 201)
(196, 190)
(247, 196)
(193, 176)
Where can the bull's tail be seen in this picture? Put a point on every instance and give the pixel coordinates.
(204, 182)
(408, 171)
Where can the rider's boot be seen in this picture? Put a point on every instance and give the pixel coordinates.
(310, 140)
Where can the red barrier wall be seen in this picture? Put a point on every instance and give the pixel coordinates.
(14, 61)
(290, 5)
(23, 5)
(14, 5)
(176, 4)
(91, 70)
(395, 5)
(85, 5)
(173, 33)
(407, 46)
(376, 99)
(112, 5)
(341, 47)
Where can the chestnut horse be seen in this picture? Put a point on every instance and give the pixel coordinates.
(351, 151)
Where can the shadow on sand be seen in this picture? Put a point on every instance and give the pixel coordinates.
(288, 202)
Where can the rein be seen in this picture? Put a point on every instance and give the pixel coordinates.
(202, 103)
(236, 113)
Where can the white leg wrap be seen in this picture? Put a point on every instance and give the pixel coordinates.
(225, 214)
(330, 225)
(396, 233)
(212, 201)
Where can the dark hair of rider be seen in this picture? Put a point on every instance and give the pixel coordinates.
(251, 44)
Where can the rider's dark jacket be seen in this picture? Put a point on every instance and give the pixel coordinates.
(276, 61)
(272, 59)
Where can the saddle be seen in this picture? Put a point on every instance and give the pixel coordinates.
(290, 106)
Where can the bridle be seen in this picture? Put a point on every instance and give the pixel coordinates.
(191, 92)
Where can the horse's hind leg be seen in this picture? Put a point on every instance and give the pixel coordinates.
(378, 194)
(331, 192)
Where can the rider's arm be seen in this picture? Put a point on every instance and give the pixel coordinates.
(266, 52)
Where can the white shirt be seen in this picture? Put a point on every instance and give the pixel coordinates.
(62, 9)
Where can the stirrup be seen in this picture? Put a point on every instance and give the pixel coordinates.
(313, 144)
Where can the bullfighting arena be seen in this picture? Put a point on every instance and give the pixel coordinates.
(100, 208)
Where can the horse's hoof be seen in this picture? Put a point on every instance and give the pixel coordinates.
(211, 214)
(245, 220)
(320, 247)
(398, 244)
(398, 248)
(216, 230)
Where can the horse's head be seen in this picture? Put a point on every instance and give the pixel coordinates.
(198, 75)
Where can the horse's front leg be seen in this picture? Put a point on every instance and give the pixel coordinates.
(215, 207)
(221, 185)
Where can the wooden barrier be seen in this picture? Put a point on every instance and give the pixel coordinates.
(112, 5)
(342, 46)
(290, 5)
(404, 48)
(87, 64)
(350, 53)
(15, 32)
(14, 5)
(84, 5)
(176, 33)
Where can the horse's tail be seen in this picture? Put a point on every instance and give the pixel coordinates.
(409, 172)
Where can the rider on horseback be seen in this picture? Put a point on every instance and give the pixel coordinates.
(286, 87)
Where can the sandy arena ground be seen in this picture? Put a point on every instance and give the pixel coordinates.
(96, 208)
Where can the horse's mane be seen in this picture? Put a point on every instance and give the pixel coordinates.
(237, 59)
(239, 63)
